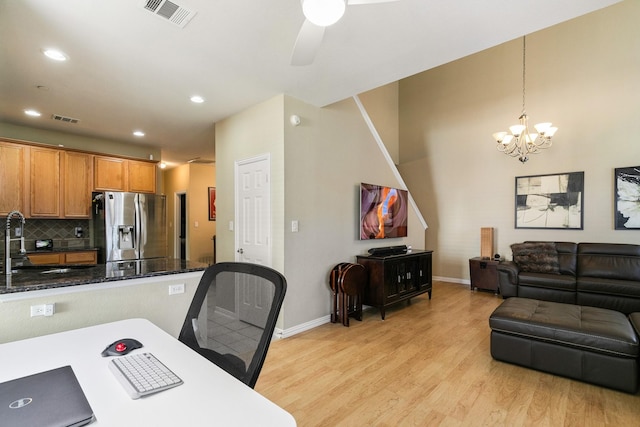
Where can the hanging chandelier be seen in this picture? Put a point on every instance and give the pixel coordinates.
(520, 142)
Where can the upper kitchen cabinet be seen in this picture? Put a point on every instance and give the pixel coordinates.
(77, 184)
(142, 177)
(12, 177)
(115, 174)
(45, 183)
(109, 173)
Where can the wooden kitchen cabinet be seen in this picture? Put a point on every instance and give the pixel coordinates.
(109, 174)
(65, 258)
(142, 177)
(45, 183)
(77, 184)
(114, 174)
(12, 177)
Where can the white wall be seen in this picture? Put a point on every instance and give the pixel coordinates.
(583, 75)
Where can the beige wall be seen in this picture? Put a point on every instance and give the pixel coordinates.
(201, 230)
(193, 180)
(316, 171)
(583, 75)
(106, 302)
(383, 109)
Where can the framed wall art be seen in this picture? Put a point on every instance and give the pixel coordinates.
(627, 198)
(212, 203)
(552, 201)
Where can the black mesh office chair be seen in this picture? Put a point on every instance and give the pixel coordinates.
(233, 315)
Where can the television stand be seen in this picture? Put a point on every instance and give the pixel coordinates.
(395, 278)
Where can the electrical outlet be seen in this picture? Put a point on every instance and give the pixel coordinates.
(37, 310)
(176, 289)
(49, 309)
(43, 310)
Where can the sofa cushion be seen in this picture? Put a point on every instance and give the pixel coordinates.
(546, 280)
(536, 257)
(609, 261)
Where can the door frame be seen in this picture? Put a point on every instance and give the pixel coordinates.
(177, 216)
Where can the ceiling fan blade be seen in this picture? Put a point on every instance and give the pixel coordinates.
(307, 44)
(356, 2)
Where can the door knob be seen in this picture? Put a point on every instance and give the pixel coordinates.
(240, 251)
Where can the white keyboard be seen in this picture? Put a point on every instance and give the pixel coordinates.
(143, 374)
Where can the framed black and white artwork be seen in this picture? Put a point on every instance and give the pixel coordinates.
(552, 201)
(627, 198)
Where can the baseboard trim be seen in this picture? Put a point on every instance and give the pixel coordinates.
(286, 333)
(452, 280)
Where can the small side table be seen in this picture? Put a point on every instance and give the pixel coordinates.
(484, 274)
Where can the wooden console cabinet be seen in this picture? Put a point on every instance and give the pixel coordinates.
(395, 278)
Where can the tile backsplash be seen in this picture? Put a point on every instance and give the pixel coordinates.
(62, 231)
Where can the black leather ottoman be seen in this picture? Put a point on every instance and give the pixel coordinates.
(590, 344)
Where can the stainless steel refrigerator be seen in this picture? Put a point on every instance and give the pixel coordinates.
(129, 226)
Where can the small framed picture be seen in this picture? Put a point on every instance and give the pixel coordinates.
(212, 203)
(627, 198)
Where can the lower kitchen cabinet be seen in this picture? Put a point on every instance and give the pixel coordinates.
(64, 258)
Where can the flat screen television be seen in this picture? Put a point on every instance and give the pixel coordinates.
(383, 212)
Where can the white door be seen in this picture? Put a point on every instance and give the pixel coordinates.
(253, 234)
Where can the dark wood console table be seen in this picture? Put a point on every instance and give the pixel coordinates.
(395, 278)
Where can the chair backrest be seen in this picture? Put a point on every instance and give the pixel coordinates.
(233, 315)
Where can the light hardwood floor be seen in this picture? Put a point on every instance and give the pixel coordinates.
(427, 364)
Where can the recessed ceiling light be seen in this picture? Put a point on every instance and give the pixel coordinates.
(32, 113)
(197, 99)
(163, 165)
(138, 133)
(55, 54)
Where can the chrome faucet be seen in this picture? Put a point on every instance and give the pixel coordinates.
(8, 239)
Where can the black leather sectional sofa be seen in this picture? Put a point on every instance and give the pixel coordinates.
(571, 309)
(603, 275)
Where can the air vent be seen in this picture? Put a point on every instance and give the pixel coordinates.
(170, 11)
(65, 119)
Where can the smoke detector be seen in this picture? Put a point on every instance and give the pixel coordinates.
(170, 11)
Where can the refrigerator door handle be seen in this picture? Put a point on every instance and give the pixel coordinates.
(138, 219)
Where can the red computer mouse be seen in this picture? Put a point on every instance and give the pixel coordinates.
(121, 347)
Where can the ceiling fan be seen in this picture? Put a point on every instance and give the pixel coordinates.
(320, 14)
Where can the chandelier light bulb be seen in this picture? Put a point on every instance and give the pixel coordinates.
(323, 12)
(542, 127)
(516, 130)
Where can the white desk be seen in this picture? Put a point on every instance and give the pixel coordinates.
(208, 397)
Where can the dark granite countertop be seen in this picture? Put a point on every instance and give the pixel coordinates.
(37, 277)
(65, 249)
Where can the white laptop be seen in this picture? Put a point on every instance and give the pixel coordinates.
(47, 399)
